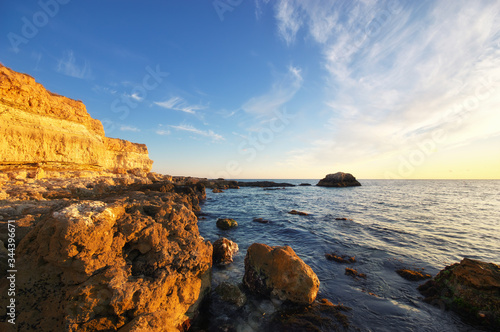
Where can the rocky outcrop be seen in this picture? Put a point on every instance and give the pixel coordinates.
(224, 250)
(42, 132)
(109, 254)
(471, 288)
(226, 223)
(339, 179)
(278, 271)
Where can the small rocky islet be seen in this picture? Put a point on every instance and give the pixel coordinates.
(104, 244)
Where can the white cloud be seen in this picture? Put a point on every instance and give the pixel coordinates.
(179, 104)
(135, 96)
(129, 128)
(394, 74)
(67, 65)
(162, 132)
(289, 20)
(282, 91)
(191, 129)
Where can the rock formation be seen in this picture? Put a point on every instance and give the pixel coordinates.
(339, 179)
(278, 271)
(105, 254)
(224, 250)
(42, 132)
(226, 223)
(471, 288)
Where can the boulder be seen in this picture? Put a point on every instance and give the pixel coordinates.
(278, 271)
(339, 179)
(224, 250)
(226, 223)
(471, 288)
(231, 293)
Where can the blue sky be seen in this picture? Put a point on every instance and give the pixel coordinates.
(277, 89)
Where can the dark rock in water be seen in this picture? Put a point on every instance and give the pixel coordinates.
(413, 275)
(217, 190)
(300, 213)
(224, 250)
(345, 219)
(354, 273)
(226, 223)
(339, 179)
(231, 293)
(305, 184)
(322, 315)
(279, 272)
(340, 259)
(263, 184)
(471, 288)
(261, 220)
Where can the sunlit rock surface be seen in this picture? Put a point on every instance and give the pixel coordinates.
(278, 271)
(98, 254)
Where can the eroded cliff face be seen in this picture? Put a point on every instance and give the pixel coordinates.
(114, 253)
(40, 130)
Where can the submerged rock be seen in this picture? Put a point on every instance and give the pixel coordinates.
(299, 213)
(340, 258)
(413, 275)
(261, 220)
(354, 273)
(471, 288)
(278, 271)
(226, 223)
(320, 316)
(339, 179)
(231, 293)
(224, 250)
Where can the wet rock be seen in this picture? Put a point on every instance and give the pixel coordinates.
(278, 271)
(340, 258)
(231, 293)
(300, 213)
(471, 288)
(305, 184)
(413, 275)
(226, 223)
(339, 179)
(354, 273)
(342, 218)
(261, 220)
(217, 191)
(321, 316)
(224, 250)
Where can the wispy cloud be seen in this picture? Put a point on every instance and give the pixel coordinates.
(282, 91)
(394, 74)
(207, 133)
(129, 128)
(179, 104)
(67, 65)
(162, 132)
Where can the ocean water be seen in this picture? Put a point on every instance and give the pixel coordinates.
(393, 224)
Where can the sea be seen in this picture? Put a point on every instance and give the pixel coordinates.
(387, 225)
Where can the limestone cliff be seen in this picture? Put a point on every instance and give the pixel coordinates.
(43, 130)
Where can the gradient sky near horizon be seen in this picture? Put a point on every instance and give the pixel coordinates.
(277, 89)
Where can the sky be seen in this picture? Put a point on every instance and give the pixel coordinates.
(279, 89)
